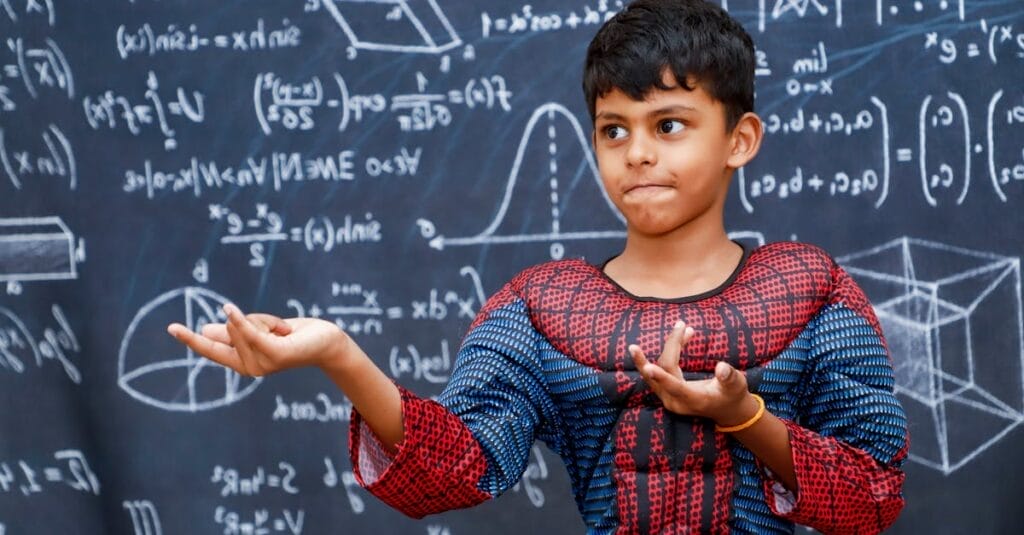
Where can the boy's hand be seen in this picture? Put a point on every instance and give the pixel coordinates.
(260, 344)
(218, 332)
(723, 398)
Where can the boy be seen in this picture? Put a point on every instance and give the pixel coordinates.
(771, 401)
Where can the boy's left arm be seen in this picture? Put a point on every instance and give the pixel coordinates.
(851, 439)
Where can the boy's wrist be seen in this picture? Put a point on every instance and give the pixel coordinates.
(338, 357)
(741, 412)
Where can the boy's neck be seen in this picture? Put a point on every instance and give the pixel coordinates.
(688, 261)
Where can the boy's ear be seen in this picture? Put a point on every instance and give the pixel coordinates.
(745, 140)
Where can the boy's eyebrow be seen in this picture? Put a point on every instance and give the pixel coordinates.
(667, 110)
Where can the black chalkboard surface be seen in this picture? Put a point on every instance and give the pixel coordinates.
(376, 164)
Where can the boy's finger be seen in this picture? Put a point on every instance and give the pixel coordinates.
(214, 350)
(273, 323)
(639, 359)
(217, 332)
(729, 377)
(242, 348)
(668, 386)
(674, 342)
(255, 340)
(649, 371)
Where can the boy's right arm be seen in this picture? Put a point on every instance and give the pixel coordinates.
(262, 344)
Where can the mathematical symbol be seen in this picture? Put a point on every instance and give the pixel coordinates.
(466, 308)
(261, 210)
(43, 71)
(419, 309)
(931, 39)
(370, 299)
(800, 6)
(24, 165)
(1006, 33)
(319, 237)
(826, 87)
(239, 41)
(33, 5)
(404, 365)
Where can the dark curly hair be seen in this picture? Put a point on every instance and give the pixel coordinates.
(696, 40)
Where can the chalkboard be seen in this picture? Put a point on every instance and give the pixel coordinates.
(386, 165)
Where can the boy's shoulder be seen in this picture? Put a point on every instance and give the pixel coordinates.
(552, 272)
(781, 252)
(828, 278)
(804, 267)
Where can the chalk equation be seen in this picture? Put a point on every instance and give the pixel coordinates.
(272, 171)
(292, 105)
(260, 521)
(993, 42)
(360, 310)
(69, 469)
(318, 233)
(113, 110)
(322, 409)
(57, 343)
(527, 19)
(38, 68)
(231, 482)
(147, 40)
(54, 160)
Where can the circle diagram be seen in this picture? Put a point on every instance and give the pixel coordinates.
(155, 369)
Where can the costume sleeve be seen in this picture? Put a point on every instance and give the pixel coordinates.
(474, 442)
(851, 438)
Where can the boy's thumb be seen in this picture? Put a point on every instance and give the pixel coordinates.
(724, 372)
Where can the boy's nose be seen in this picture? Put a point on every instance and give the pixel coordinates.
(641, 151)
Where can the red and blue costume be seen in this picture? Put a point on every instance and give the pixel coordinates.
(546, 359)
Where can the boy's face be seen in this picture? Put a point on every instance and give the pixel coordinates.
(664, 161)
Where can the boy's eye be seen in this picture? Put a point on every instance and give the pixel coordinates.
(670, 126)
(614, 132)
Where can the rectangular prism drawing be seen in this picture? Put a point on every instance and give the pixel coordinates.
(36, 248)
(953, 321)
(394, 25)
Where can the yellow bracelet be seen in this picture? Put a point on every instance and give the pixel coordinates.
(753, 419)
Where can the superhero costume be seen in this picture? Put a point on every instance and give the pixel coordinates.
(546, 359)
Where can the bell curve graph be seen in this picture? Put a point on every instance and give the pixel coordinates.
(553, 162)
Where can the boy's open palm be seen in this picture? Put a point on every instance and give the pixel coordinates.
(719, 398)
(260, 344)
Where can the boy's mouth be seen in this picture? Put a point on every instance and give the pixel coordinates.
(646, 187)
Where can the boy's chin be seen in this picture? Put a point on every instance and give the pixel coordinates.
(654, 228)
